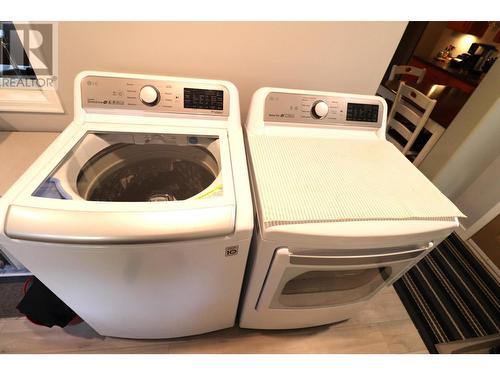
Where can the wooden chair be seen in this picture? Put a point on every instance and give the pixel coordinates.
(435, 132)
(408, 116)
(407, 70)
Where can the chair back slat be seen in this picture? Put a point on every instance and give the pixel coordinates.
(401, 129)
(405, 97)
(420, 99)
(407, 70)
(408, 113)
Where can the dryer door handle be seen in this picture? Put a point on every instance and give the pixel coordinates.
(358, 260)
(98, 228)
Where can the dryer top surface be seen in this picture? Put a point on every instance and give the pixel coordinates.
(303, 180)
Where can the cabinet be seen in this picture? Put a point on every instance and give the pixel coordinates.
(496, 39)
(489, 241)
(477, 28)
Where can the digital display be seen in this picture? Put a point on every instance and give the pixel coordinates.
(362, 112)
(203, 99)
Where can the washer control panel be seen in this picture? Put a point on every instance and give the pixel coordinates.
(154, 96)
(323, 110)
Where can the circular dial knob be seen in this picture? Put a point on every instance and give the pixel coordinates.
(149, 95)
(319, 109)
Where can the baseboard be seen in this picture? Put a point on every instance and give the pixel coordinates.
(461, 232)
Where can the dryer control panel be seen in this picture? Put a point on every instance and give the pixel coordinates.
(323, 110)
(157, 96)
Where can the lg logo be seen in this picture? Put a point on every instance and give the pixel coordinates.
(231, 251)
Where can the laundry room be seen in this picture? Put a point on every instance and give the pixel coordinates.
(249, 187)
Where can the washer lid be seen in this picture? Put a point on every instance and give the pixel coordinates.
(137, 167)
(130, 187)
(303, 180)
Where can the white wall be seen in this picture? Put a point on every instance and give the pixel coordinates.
(482, 195)
(337, 56)
(430, 37)
(464, 163)
(471, 142)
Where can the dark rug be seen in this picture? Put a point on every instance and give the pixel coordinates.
(11, 292)
(450, 295)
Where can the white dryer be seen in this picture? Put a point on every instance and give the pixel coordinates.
(139, 215)
(341, 212)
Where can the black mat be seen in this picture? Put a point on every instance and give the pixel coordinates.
(450, 295)
(11, 292)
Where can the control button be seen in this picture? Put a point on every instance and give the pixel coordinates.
(319, 109)
(149, 95)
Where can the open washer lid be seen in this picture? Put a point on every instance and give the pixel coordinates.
(137, 167)
(121, 187)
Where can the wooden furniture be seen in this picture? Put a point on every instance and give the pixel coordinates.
(477, 28)
(407, 118)
(496, 39)
(449, 100)
(439, 73)
(435, 132)
(488, 239)
(407, 70)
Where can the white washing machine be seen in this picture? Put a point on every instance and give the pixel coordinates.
(139, 215)
(341, 213)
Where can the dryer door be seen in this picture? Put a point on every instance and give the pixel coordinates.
(297, 281)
